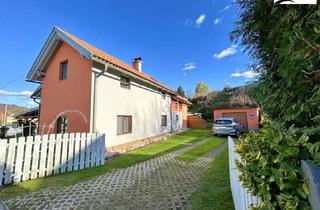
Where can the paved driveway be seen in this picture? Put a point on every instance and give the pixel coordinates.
(158, 183)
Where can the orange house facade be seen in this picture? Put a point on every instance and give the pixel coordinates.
(83, 89)
(249, 116)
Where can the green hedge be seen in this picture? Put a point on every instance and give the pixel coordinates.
(270, 166)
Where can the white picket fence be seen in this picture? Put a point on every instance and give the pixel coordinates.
(242, 198)
(33, 157)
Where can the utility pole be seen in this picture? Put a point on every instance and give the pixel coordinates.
(5, 114)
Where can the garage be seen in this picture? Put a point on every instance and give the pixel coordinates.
(249, 116)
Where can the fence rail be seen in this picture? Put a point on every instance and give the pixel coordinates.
(32, 157)
(242, 198)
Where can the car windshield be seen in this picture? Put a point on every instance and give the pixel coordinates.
(223, 122)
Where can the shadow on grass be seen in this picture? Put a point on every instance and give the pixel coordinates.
(125, 160)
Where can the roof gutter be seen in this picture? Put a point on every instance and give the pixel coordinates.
(111, 65)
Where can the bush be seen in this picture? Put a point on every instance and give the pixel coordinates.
(3, 132)
(270, 166)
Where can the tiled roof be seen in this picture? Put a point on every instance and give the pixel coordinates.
(182, 99)
(104, 56)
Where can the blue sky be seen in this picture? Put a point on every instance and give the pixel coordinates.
(182, 42)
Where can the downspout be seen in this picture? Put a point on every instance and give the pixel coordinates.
(171, 113)
(39, 103)
(92, 104)
(95, 77)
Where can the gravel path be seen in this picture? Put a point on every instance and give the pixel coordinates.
(159, 183)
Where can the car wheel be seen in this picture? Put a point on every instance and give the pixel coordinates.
(215, 134)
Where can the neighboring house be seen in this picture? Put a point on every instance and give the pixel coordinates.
(28, 121)
(83, 89)
(249, 116)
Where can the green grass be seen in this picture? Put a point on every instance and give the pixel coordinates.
(193, 154)
(214, 191)
(135, 156)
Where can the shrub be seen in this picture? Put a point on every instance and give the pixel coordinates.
(270, 166)
(3, 132)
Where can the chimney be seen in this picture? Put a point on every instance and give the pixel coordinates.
(137, 63)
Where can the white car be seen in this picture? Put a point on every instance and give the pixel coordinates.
(14, 130)
(227, 126)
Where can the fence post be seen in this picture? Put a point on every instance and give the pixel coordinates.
(3, 150)
(19, 160)
(43, 157)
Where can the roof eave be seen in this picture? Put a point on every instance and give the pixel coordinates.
(54, 40)
(118, 68)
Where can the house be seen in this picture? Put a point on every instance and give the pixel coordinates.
(28, 121)
(249, 116)
(83, 89)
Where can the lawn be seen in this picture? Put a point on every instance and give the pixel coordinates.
(214, 191)
(135, 156)
(193, 154)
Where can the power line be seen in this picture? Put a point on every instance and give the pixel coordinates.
(12, 81)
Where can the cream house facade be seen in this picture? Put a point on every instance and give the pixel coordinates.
(83, 89)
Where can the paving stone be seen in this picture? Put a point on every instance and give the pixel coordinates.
(159, 183)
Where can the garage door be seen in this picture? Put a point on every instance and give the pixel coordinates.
(240, 117)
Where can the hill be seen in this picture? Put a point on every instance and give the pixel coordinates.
(12, 108)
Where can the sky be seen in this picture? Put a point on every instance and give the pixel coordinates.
(181, 42)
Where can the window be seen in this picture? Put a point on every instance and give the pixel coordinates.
(124, 124)
(223, 122)
(177, 117)
(63, 70)
(124, 82)
(62, 125)
(163, 120)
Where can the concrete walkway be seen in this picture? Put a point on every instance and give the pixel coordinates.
(2, 206)
(158, 183)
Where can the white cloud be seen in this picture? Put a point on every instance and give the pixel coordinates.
(189, 66)
(21, 93)
(188, 22)
(200, 20)
(225, 8)
(217, 21)
(227, 52)
(250, 74)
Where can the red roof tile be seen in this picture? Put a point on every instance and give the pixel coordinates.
(104, 56)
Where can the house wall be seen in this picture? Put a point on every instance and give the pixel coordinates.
(71, 96)
(184, 116)
(252, 115)
(142, 102)
(180, 110)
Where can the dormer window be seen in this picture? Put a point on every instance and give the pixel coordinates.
(124, 82)
(63, 70)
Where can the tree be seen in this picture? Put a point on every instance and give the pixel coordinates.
(283, 40)
(228, 97)
(181, 92)
(201, 89)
